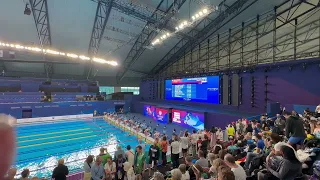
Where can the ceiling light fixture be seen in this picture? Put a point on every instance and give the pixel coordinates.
(53, 52)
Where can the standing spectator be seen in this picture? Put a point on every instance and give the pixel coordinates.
(164, 148)
(224, 173)
(119, 167)
(279, 125)
(219, 134)
(88, 163)
(25, 174)
(213, 137)
(143, 145)
(130, 155)
(202, 161)
(230, 131)
(175, 150)
(317, 111)
(11, 174)
(110, 169)
(61, 171)
(238, 171)
(194, 139)
(129, 171)
(104, 156)
(119, 151)
(205, 145)
(153, 156)
(184, 143)
(140, 161)
(294, 130)
(97, 171)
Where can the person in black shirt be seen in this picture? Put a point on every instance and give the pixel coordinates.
(153, 156)
(204, 145)
(189, 165)
(61, 171)
(294, 130)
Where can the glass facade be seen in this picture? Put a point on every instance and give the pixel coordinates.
(106, 89)
(135, 90)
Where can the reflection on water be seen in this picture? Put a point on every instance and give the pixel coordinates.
(74, 161)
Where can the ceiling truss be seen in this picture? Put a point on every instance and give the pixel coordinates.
(147, 35)
(226, 14)
(290, 32)
(40, 14)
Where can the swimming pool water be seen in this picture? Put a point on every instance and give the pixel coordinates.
(40, 146)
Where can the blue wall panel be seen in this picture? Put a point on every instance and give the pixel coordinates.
(60, 109)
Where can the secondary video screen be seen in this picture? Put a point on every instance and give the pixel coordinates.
(200, 89)
(150, 111)
(188, 119)
(162, 115)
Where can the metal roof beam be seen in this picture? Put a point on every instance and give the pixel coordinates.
(226, 14)
(147, 36)
(100, 22)
(40, 13)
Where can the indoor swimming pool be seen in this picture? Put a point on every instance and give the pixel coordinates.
(40, 146)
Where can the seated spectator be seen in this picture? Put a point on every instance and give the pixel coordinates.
(88, 163)
(97, 171)
(189, 165)
(176, 174)
(11, 174)
(215, 164)
(288, 168)
(224, 173)
(25, 174)
(110, 169)
(251, 155)
(61, 171)
(203, 162)
(222, 153)
(185, 173)
(238, 171)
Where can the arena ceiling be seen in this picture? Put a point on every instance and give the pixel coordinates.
(71, 25)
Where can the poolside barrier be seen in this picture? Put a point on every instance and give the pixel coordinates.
(53, 118)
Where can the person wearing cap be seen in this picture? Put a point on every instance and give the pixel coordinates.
(61, 171)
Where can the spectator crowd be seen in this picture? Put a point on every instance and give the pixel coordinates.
(284, 147)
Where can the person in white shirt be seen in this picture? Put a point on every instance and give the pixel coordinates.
(185, 173)
(110, 169)
(238, 170)
(184, 143)
(130, 155)
(175, 150)
(194, 139)
(219, 134)
(127, 167)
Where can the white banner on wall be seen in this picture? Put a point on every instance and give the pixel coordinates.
(53, 118)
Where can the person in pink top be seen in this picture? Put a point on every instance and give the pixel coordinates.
(213, 137)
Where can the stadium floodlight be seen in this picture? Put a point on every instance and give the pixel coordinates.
(168, 34)
(72, 55)
(113, 63)
(197, 15)
(205, 11)
(185, 23)
(193, 17)
(200, 13)
(49, 51)
(177, 28)
(84, 57)
(164, 36)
